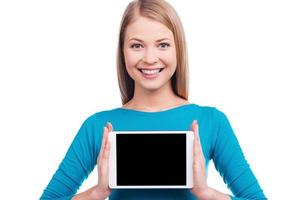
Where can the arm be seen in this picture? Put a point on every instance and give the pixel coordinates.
(78, 162)
(101, 190)
(230, 162)
(200, 188)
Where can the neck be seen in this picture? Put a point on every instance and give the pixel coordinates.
(154, 100)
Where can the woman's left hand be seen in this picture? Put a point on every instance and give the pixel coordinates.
(200, 189)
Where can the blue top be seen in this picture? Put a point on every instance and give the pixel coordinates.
(218, 141)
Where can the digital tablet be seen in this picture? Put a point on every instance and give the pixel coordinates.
(151, 159)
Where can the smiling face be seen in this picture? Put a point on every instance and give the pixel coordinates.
(150, 54)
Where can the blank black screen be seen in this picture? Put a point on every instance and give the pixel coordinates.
(151, 159)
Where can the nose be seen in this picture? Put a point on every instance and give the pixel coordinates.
(150, 56)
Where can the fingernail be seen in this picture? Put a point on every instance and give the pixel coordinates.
(195, 121)
(107, 123)
(104, 128)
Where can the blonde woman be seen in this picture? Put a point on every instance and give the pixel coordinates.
(153, 79)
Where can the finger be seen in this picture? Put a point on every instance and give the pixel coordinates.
(194, 128)
(105, 139)
(196, 152)
(196, 132)
(197, 144)
(106, 151)
(105, 130)
(105, 164)
(196, 147)
(110, 127)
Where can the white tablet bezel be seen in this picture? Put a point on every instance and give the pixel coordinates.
(189, 161)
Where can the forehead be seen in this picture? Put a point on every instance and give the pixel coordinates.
(147, 29)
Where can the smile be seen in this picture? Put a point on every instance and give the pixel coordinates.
(150, 73)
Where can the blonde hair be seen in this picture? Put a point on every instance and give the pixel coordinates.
(163, 12)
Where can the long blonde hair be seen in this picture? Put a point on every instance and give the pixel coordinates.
(163, 12)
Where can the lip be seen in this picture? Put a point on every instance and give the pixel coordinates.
(151, 76)
(140, 68)
(160, 69)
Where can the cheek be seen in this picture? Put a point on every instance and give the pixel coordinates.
(131, 59)
(170, 59)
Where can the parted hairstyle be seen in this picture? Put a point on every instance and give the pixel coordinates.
(163, 12)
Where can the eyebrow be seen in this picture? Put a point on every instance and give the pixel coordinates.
(143, 41)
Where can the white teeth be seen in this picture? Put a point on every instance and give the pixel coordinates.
(154, 71)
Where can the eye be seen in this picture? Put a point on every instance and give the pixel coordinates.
(135, 45)
(164, 45)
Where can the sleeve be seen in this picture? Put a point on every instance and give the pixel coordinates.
(231, 164)
(77, 164)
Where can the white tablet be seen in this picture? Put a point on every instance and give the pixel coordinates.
(151, 159)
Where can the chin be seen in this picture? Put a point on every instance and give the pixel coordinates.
(150, 88)
(153, 86)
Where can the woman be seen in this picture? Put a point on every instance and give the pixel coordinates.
(153, 80)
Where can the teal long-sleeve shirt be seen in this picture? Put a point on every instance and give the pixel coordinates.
(218, 141)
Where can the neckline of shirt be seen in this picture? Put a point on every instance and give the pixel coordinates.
(155, 112)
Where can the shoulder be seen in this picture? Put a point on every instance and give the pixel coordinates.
(209, 111)
(101, 116)
(206, 108)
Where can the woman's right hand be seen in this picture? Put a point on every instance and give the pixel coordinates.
(100, 191)
(103, 164)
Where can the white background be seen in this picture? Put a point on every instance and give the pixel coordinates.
(57, 67)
